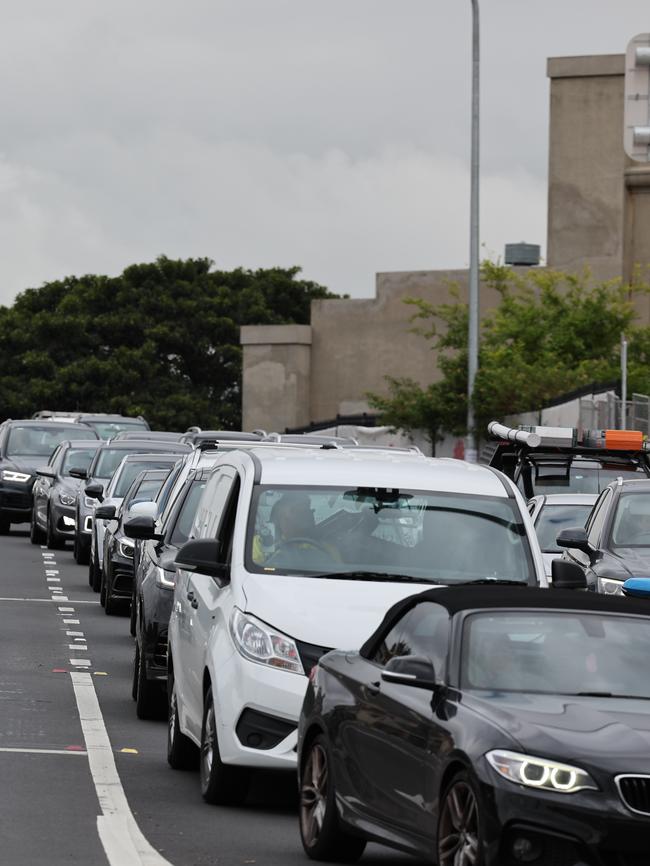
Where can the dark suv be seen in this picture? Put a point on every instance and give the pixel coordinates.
(25, 446)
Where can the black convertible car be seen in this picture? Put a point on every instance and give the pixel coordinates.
(485, 727)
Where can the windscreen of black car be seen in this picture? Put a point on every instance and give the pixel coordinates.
(557, 652)
(186, 514)
(130, 472)
(436, 537)
(631, 526)
(77, 458)
(33, 441)
(554, 518)
(108, 429)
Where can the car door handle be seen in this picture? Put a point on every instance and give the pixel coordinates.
(371, 690)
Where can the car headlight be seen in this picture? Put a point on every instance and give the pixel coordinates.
(11, 475)
(540, 773)
(167, 579)
(67, 498)
(125, 547)
(609, 586)
(88, 502)
(260, 643)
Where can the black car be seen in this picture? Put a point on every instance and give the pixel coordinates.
(108, 458)
(24, 447)
(155, 594)
(55, 492)
(117, 568)
(615, 543)
(491, 726)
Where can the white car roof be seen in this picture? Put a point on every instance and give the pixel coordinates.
(568, 499)
(340, 467)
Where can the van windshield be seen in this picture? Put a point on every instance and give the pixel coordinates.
(434, 537)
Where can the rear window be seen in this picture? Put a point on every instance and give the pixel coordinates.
(555, 518)
(77, 458)
(39, 441)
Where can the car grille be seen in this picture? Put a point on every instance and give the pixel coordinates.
(635, 793)
(310, 654)
(12, 499)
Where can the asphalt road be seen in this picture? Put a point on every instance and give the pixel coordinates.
(54, 767)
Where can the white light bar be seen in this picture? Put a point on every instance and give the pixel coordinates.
(561, 437)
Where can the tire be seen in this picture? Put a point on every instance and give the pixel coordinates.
(149, 698)
(182, 754)
(134, 612)
(221, 784)
(80, 552)
(102, 591)
(460, 836)
(51, 539)
(322, 834)
(5, 526)
(94, 574)
(36, 534)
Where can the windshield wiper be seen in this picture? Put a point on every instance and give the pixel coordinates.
(610, 695)
(377, 575)
(484, 580)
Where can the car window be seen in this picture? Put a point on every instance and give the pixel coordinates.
(212, 503)
(423, 631)
(556, 652)
(130, 472)
(108, 429)
(437, 537)
(631, 526)
(553, 519)
(582, 476)
(598, 519)
(34, 441)
(186, 514)
(77, 458)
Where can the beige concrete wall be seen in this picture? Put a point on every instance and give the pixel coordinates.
(586, 164)
(357, 343)
(276, 376)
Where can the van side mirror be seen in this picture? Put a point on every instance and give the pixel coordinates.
(95, 490)
(567, 575)
(202, 555)
(576, 538)
(77, 472)
(416, 671)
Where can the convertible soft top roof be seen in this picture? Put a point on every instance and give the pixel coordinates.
(485, 597)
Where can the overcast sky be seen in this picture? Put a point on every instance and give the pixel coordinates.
(332, 135)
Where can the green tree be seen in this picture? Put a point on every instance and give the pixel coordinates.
(161, 339)
(551, 332)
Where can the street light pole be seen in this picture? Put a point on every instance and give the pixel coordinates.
(472, 342)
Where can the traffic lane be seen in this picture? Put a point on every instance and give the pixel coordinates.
(48, 807)
(166, 803)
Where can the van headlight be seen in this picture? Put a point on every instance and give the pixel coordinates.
(540, 773)
(67, 499)
(260, 643)
(609, 586)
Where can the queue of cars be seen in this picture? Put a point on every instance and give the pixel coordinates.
(385, 624)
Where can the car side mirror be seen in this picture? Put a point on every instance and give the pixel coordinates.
(46, 472)
(575, 537)
(567, 575)
(416, 671)
(637, 587)
(141, 526)
(77, 472)
(95, 490)
(202, 555)
(105, 512)
(143, 508)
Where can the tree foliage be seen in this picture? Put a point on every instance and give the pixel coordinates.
(161, 340)
(551, 333)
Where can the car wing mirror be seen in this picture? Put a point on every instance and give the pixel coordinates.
(202, 555)
(46, 472)
(141, 526)
(95, 490)
(77, 472)
(143, 508)
(416, 671)
(575, 538)
(105, 512)
(567, 575)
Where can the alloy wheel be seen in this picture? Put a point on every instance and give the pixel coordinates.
(172, 717)
(313, 794)
(208, 742)
(458, 834)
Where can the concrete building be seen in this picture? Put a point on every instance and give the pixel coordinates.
(598, 215)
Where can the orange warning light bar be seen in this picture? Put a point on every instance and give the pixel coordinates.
(624, 440)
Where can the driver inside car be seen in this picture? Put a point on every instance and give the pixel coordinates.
(296, 538)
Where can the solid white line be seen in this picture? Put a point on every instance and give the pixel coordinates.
(46, 751)
(123, 841)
